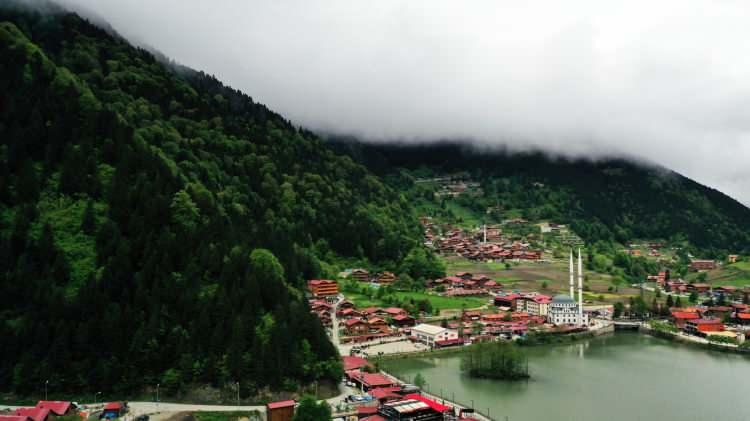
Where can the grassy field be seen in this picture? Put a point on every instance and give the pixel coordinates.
(532, 276)
(438, 302)
(735, 274)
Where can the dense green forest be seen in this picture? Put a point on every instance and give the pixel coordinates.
(606, 201)
(157, 226)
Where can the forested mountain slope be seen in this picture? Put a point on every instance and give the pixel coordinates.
(610, 200)
(157, 227)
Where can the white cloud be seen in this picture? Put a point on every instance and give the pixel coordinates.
(664, 81)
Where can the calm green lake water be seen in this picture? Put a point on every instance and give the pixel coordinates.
(621, 377)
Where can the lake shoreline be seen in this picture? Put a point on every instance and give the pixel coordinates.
(555, 340)
(674, 337)
(573, 380)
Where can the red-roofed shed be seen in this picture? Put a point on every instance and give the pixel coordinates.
(280, 411)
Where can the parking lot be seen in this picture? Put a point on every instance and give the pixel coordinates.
(371, 349)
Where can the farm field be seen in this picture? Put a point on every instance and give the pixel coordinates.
(438, 303)
(532, 276)
(735, 274)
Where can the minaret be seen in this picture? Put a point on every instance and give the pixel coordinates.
(580, 288)
(572, 294)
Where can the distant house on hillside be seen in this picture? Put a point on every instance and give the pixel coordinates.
(361, 275)
(699, 265)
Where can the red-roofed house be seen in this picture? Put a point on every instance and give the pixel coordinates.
(704, 327)
(377, 325)
(346, 304)
(280, 411)
(369, 311)
(385, 394)
(404, 321)
(370, 380)
(394, 311)
(506, 300)
(719, 311)
(471, 316)
(321, 288)
(681, 317)
(354, 363)
(354, 327)
(35, 414)
(698, 265)
(492, 286)
(57, 407)
(348, 313)
(726, 290)
(534, 304)
(699, 288)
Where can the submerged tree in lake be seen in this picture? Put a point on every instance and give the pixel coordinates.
(496, 360)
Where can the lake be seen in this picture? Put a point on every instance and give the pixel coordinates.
(620, 377)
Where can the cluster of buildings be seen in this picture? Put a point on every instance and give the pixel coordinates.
(43, 411)
(664, 282)
(49, 410)
(653, 249)
(389, 400)
(729, 320)
(483, 245)
(372, 322)
(363, 275)
(465, 283)
(519, 311)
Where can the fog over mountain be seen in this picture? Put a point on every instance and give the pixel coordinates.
(667, 82)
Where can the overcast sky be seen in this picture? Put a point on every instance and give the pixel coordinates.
(667, 81)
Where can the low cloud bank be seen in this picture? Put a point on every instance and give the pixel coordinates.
(667, 82)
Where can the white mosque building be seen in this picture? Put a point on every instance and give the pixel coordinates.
(564, 310)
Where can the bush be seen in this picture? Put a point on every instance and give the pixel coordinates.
(721, 339)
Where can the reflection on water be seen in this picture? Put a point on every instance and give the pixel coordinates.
(626, 376)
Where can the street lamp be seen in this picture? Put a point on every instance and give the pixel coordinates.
(95, 397)
(46, 382)
(238, 395)
(157, 394)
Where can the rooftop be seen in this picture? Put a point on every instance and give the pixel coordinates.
(280, 404)
(428, 329)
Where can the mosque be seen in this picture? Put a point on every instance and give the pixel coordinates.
(564, 310)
